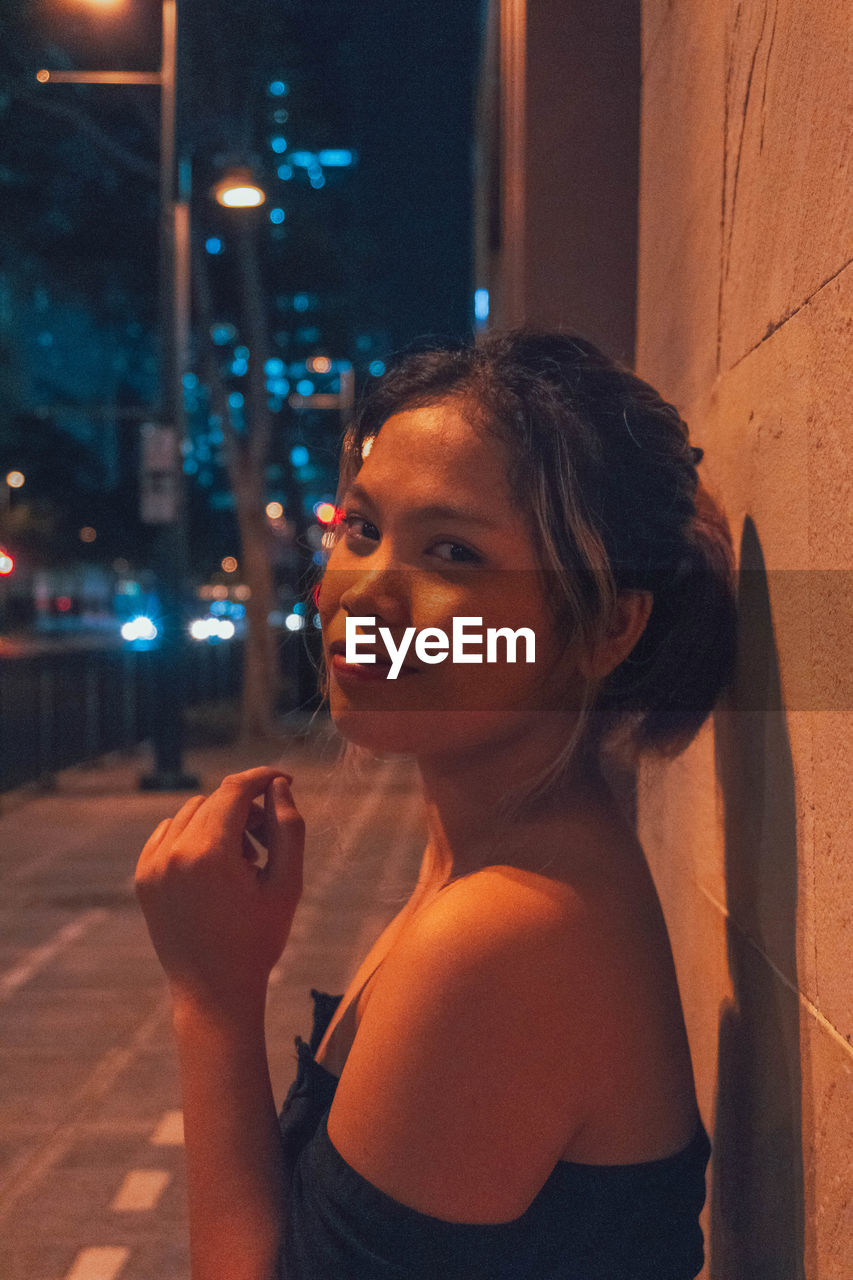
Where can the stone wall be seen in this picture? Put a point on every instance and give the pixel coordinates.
(744, 318)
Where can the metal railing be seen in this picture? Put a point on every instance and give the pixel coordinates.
(65, 705)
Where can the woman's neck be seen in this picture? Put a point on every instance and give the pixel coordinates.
(463, 792)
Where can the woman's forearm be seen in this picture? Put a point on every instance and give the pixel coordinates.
(233, 1150)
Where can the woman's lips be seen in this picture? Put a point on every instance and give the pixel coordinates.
(377, 670)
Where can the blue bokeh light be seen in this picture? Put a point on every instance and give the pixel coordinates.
(335, 158)
(377, 368)
(213, 244)
(299, 455)
(277, 216)
(278, 144)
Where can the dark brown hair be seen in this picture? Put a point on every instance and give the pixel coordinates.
(603, 470)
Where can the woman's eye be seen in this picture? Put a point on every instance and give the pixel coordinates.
(351, 524)
(466, 556)
(358, 529)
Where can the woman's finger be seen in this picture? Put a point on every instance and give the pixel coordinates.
(156, 836)
(285, 836)
(227, 810)
(186, 813)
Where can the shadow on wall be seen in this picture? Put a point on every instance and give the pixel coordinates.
(757, 1204)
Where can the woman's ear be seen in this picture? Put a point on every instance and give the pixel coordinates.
(626, 625)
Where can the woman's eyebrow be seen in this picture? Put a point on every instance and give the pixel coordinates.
(433, 511)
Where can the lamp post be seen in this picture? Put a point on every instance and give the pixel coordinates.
(167, 511)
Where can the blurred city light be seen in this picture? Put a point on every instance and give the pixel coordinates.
(278, 144)
(229, 565)
(377, 368)
(284, 171)
(139, 628)
(325, 512)
(235, 400)
(278, 89)
(15, 479)
(88, 534)
(293, 622)
(299, 455)
(7, 563)
(305, 387)
(321, 364)
(303, 159)
(274, 367)
(335, 158)
(211, 629)
(213, 244)
(277, 216)
(481, 304)
(238, 190)
(274, 510)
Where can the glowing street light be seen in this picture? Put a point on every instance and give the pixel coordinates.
(238, 190)
(15, 479)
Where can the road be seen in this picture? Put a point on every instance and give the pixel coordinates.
(91, 1161)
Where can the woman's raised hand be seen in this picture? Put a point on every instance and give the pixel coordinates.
(219, 921)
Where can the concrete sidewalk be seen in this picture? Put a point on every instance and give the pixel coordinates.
(91, 1170)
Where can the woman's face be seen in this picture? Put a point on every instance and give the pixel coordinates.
(403, 563)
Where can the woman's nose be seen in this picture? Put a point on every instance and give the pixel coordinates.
(379, 593)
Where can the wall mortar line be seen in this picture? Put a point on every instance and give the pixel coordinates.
(812, 1008)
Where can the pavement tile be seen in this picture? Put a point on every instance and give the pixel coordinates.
(88, 1067)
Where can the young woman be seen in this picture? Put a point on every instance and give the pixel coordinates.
(505, 1089)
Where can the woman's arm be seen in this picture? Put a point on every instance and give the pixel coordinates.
(219, 923)
(233, 1153)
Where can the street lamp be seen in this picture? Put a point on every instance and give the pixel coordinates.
(163, 486)
(171, 551)
(238, 190)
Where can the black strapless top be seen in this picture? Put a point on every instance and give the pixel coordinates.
(588, 1222)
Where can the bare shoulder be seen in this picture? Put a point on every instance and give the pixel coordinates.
(463, 1084)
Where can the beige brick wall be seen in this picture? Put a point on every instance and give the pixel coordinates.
(744, 319)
